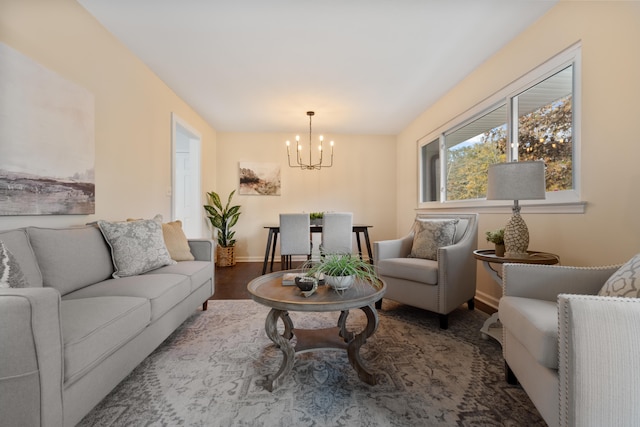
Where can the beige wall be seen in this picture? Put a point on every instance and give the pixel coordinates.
(362, 181)
(608, 232)
(132, 109)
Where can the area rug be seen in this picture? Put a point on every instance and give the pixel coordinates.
(209, 373)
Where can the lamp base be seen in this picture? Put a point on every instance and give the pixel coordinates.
(516, 237)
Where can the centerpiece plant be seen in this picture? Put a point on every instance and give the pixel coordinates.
(340, 270)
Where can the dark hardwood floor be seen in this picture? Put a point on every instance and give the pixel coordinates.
(231, 282)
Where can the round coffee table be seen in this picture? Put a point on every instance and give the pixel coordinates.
(269, 291)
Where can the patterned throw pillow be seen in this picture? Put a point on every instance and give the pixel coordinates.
(176, 241)
(136, 247)
(10, 273)
(625, 282)
(430, 235)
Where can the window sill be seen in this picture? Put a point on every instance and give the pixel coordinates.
(504, 206)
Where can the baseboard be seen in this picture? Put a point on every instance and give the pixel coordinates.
(486, 302)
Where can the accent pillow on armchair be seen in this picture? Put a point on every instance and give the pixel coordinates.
(431, 235)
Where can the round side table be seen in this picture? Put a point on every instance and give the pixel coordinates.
(492, 327)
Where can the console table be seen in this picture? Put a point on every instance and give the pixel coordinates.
(488, 258)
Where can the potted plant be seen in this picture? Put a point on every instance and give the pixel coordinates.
(315, 218)
(223, 219)
(497, 238)
(340, 270)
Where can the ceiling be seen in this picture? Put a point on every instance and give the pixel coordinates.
(364, 66)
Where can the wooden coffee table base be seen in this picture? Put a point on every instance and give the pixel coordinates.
(313, 339)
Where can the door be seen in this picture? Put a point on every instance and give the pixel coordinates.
(186, 195)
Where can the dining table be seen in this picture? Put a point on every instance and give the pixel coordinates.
(274, 230)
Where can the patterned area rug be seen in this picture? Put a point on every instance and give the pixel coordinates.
(208, 373)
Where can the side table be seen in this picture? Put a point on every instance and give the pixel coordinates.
(488, 258)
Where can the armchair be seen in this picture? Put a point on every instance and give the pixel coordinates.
(576, 356)
(439, 285)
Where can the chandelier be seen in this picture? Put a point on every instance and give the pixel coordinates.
(309, 166)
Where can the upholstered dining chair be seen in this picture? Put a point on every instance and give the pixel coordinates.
(337, 232)
(295, 238)
(432, 267)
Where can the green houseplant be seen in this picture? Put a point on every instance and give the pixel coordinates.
(316, 218)
(223, 218)
(497, 238)
(340, 270)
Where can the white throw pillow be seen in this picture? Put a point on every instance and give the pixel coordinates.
(625, 282)
(136, 246)
(431, 235)
(10, 273)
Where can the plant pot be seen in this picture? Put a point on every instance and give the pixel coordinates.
(339, 283)
(226, 256)
(499, 250)
(316, 221)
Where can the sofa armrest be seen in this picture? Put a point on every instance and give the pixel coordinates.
(546, 282)
(202, 249)
(31, 357)
(396, 248)
(599, 368)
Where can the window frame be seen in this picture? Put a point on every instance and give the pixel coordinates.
(567, 201)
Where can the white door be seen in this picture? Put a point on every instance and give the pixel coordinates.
(186, 202)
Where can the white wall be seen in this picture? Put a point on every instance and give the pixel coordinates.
(608, 232)
(362, 181)
(132, 109)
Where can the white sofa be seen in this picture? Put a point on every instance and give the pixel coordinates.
(70, 337)
(576, 354)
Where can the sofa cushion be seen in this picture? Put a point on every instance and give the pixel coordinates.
(198, 271)
(17, 241)
(176, 241)
(625, 282)
(10, 272)
(163, 290)
(414, 269)
(430, 235)
(136, 246)
(535, 324)
(71, 258)
(93, 328)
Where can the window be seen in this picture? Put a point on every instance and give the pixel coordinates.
(532, 119)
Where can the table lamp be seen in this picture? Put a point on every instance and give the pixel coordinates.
(516, 181)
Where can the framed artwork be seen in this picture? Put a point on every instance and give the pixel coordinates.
(47, 147)
(258, 178)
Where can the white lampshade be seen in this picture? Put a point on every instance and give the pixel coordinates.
(516, 181)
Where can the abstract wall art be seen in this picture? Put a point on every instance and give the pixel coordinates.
(47, 141)
(259, 178)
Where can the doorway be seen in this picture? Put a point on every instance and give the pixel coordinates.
(186, 194)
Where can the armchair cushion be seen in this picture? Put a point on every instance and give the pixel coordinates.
(430, 235)
(414, 269)
(625, 282)
(534, 323)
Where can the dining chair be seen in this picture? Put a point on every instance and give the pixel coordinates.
(295, 238)
(337, 232)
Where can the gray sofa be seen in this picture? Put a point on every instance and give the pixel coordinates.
(70, 337)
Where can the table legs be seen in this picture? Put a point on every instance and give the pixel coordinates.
(328, 338)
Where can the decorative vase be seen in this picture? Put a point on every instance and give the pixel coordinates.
(500, 250)
(226, 256)
(339, 283)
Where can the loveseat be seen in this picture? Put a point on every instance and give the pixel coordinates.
(574, 352)
(83, 323)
